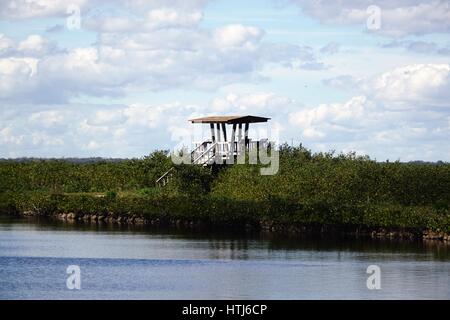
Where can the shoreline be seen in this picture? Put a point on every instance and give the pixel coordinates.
(297, 230)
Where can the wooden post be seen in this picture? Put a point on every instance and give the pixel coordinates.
(218, 132)
(224, 130)
(246, 136)
(239, 138)
(226, 149)
(233, 140)
(218, 148)
(213, 135)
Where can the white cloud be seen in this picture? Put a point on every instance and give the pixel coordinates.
(343, 82)
(158, 18)
(43, 139)
(237, 35)
(366, 127)
(165, 17)
(125, 130)
(142, 45)
(92, 145)
(7, 137)
(412, 86)
(400, 114)
(155, 45)
(330, 121)
(363, 124)
(261, 102)
(33, 46)
(84, 127)
(398, 17)
(33, 43)
(330, 48)
(146, 116)
(30, 9)
(155, 60)
(107, 117)
(6, 45)
(26, 9)
(48, 119)
(17, 76)
(110, 23)
(414, 46)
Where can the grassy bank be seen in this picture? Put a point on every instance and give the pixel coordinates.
(310, 189)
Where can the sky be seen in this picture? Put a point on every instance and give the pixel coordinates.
(97, 78)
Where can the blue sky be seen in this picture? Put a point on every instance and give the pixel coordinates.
(125, 82)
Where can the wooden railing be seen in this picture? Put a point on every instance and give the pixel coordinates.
(207, 153)
(164, 179)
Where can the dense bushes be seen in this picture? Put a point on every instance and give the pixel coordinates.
(218, 209)
(64, 176)
(191, 181)
(321, 188)
(303, 177)
(344, 179)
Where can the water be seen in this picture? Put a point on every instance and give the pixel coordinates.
(139, 263)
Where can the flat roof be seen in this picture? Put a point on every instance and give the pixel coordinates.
(230, 119)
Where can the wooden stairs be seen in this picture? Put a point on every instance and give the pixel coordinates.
(200, 159)
(165, 178)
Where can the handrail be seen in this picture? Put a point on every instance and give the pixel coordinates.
(207, 159)
(224, 148)
(206, 152)
(200, 145)
(165, 174)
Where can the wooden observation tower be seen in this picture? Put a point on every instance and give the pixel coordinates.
(221, 148)
(224, 146)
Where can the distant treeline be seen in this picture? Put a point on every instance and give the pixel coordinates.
(319, 188)
(72, 160)
(86, 175)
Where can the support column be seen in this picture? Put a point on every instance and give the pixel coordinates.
(224, 130)
(239, 138)
(213, 134)
(232, 141)
(219, 146)
(213, 137)
(225, 148)
(218, 132)
(246, 136)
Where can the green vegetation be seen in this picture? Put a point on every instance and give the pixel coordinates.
(323, 188)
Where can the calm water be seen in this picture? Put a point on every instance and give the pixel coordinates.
(148, 264)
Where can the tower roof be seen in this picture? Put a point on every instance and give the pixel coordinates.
(230, 119)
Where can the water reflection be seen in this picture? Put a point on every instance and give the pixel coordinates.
(235, 245)
(146, 263)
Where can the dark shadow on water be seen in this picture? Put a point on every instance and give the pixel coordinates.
(241, 241)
